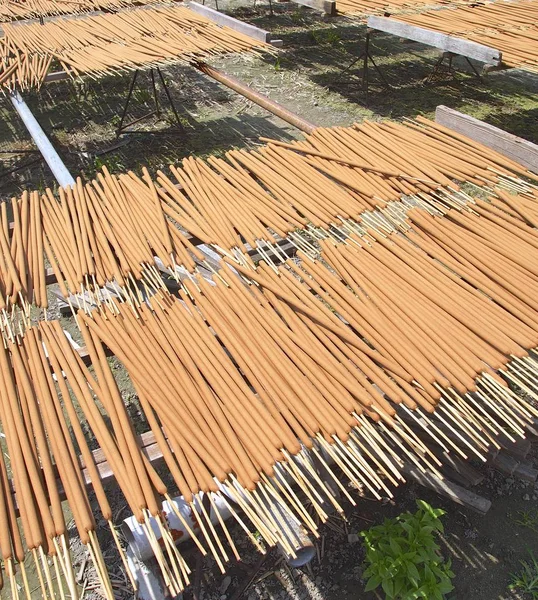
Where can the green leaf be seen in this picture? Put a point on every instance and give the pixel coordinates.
(388, 588)
(395, 547)
(445, 586)
(412, 572)
(372, 584)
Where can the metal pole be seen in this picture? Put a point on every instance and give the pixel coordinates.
(263, 101)
(59, 170)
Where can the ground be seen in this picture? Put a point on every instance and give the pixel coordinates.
(81, 120)
(485, 550)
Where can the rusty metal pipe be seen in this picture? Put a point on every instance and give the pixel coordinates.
(259, 99)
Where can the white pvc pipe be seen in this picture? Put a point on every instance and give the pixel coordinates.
(59, 170)
(139, 544)
(136, 536)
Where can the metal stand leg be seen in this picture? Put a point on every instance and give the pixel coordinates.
(124, 128)
(450, 56)
(436, 68)
(126, 107)
(155, 95)
(170, 101)
(366, 57)
(478, 75)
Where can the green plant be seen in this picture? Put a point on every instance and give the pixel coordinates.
(526, 581)
(403, 557)
(325, 37)
(297, 17)
(527, 518)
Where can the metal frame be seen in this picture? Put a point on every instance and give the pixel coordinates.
(450, 56)
(366, 57)
(124, 129)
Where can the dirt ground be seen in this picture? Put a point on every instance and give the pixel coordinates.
(81, 120)
(485, 550)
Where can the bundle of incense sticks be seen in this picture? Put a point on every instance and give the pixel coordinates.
(510, 28)
(332, 182)
(112, 43)
(406, 341)
(220, 447)
(15, 10)
(363, 8)
(39, 437)
(338, 182)
(110, 230)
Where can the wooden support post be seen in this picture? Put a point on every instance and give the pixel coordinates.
(505, 463)
(511, 146)
(526, 471)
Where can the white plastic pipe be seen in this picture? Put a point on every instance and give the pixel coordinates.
(59, 170)
(299, 538)
(139, 544)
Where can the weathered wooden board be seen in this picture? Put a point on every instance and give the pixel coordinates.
(222, 19)
(511, 146)
(326, 6)
(446, 43)
(449, 489)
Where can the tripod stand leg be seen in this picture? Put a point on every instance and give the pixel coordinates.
(435, 68)
(379, 71)
(172, 105)
(126, 106)
(474, 69)
(350, 66)
(155, 94)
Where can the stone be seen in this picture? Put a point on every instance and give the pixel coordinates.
(225, 584)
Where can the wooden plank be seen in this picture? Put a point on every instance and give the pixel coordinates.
(511, 146)
(468, 474)
(449, 490)
(222, 19)
(446, 43)
(518, 449)
(505, 463)
(526, 471)
(326, 6)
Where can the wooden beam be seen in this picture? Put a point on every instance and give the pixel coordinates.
(526, 471)
(449, 490)
(325, 6)
(226, 20)
(148, 444)
(56, 76)
(511, 146)
(446, 43)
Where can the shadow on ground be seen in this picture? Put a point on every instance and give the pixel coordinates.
(320, 48)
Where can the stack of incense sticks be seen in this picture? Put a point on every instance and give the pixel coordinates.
(510, 28)
(384, 342)
(403, 343)
(336, 183)
(14, 10)
(363, 8)
(113, 43)
(349, 375)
